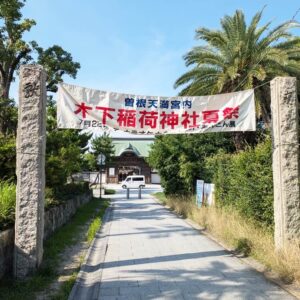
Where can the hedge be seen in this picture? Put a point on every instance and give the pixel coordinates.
(244, 180)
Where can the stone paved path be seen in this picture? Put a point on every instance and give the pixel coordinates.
(146, 252)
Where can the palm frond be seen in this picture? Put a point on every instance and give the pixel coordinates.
(196, 74)
(200, 56)
(239, 56)
(214, 38)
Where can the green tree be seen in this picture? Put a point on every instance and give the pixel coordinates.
(15, 51)
(56, 62)
(239, 57)
(90, 162)
(64, 147)
(103, 144)
(7, 157)
(8, 117)
(180, 159)
(64, 150)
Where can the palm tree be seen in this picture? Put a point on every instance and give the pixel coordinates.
(239, 57)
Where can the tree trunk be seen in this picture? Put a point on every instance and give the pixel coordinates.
(5, 86)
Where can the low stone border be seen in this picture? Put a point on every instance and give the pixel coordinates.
(59, 215)
(55, 217)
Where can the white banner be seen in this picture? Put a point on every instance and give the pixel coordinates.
(83, 108)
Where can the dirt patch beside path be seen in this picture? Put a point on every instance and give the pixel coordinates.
(70, 262)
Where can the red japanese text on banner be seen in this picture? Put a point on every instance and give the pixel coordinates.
(81, 108)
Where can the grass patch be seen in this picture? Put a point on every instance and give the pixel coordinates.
(66, 288)
(181, 205)
(109, 192)
(242, 234)
(7, 204)
(161, 197)
(64, 237)
(95, 225)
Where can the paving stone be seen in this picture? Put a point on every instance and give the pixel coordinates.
(111, 291)
(152, 254)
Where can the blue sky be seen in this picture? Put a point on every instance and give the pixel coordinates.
(135, 46)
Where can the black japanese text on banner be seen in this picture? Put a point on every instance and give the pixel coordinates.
(81, 108)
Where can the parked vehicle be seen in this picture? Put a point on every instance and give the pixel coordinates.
(134, 182)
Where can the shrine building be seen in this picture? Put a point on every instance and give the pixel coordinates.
(130, 159)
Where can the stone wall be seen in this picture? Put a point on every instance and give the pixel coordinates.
(59, 215)
(54, 218)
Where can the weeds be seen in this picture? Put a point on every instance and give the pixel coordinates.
(243, 235)
(95, 225)
(244, 246)
(64, 237)
(66, 288)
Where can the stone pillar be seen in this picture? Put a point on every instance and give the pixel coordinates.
(285, 135)
(31, 139)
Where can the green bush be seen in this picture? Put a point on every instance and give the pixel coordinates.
(60, 194)
(7, 157)
(109, 192)
(72, 189)
(50, 199)
(7, 204)
(244, 180)
(180, 159)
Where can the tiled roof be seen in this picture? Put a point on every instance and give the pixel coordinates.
(139, 146)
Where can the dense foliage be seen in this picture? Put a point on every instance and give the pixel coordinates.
(53, 197)
(7, 157)
(180, 159)
(236, 57)
(7, 204)
(60, 194)
(15, 51)
(244, 180)
(64, 150)
(103, 145)
(64, 147)
(8, 117)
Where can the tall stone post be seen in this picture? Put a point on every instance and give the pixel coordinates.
(285, 131)
(31, 139)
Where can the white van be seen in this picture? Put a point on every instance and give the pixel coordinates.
(134, 182)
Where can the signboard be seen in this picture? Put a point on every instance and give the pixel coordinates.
(101, 159)
(199, 192)
(81, 108)
(111, 171)
(208, 193)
